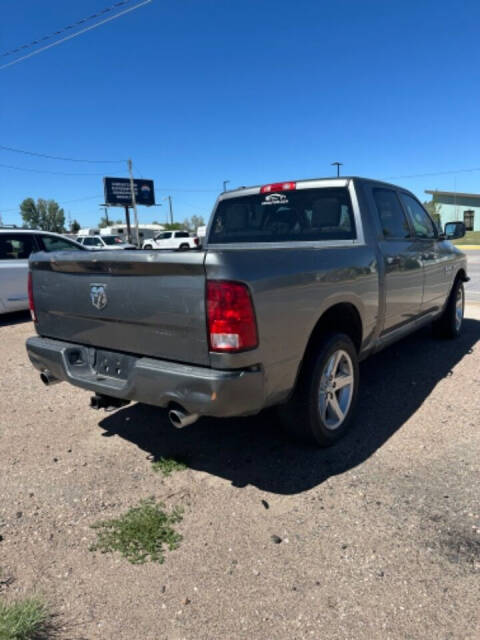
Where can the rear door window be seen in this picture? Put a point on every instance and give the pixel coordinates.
(16, 246)
(392, 217)
(285, 216)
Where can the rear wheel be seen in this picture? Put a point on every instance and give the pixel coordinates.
(184, 246)
(322, 407)
(450, 323)
(148, 246)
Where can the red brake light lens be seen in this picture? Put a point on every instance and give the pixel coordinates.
(231, 319)
(31, 302)
(278, 186)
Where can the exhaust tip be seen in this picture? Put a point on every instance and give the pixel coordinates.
(180, 419)
(47, 378)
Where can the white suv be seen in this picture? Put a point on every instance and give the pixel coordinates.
(16, 245)
(104, 242)
(171, 240)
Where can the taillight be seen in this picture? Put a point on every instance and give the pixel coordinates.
(196, 242)
(278, 186)
(231, 319)
(31, 302)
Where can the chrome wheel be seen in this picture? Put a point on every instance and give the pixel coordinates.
(336, 389)
(459, 309)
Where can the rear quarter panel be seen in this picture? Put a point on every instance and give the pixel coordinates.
(291, 289)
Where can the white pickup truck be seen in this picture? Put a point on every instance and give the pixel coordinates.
(171, 240)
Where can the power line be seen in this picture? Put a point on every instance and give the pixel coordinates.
(95, 197)
(46, 155)
(186, 190)
(437, 173)
(55, 173)
(74, 35)
(66, 173)
(67, 28)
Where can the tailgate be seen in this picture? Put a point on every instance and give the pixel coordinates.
(141, 302)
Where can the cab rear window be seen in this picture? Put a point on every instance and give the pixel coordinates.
(285, 216)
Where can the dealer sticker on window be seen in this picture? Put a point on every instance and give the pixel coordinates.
(275, 198)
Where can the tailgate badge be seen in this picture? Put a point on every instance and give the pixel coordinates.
(98, 295)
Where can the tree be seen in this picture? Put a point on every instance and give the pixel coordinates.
(175, 226)
(434, 209)
(75, 227)
(193, 223)
(46, 215)
(107, 222)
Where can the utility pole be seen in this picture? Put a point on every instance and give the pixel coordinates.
(105, 209)
(338, 165)
(225, 182)
(170, 206)
(127, 219)
(134, 204)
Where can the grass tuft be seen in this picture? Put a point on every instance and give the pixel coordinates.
(25, 620)
(167, 466)
(140, 534)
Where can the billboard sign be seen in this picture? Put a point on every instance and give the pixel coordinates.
(118, 193)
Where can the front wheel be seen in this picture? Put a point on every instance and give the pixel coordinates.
(323, 404)
(450, 323)
(148, 246)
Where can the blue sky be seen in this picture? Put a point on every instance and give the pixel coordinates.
(251, 91)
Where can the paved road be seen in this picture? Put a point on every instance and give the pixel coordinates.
(472, 288)
(378, 537)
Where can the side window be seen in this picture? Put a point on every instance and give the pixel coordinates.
(181, 234)
(97, 242)
(52, 243)
(89, 242)
(393, 220)
(167, 235)
(422, 224)
(16, 246)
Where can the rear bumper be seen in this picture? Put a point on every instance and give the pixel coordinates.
(200, 390)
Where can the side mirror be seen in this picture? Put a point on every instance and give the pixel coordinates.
(454, 230)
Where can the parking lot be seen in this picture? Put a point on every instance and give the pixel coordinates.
(472, 288)
(378, 537)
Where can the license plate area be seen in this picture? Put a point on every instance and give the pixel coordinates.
(109, 364)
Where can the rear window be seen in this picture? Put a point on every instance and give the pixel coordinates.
(182, 234)
(285, 216)
(112, 240)
(53, 243)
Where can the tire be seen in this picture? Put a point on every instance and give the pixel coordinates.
(314, 412)
(184, 247)
(148, 246)
(450, 323)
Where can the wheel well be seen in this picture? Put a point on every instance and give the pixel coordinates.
(341, 318)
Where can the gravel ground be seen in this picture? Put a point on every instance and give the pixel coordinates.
(379, 536)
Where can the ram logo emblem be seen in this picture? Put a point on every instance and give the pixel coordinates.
(98, 295)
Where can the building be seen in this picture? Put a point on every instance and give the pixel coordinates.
(144, 231)
(463, 207)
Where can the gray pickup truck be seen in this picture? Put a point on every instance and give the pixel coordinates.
(294, 285)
